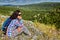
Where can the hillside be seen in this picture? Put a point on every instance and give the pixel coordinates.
(45, 17)
(46, 12)
(45, 6)
(38, 30)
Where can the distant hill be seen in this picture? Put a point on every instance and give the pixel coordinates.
(41, 6)
(45, 4)
(31, 7)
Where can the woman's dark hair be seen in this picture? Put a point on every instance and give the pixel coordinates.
(15, 14)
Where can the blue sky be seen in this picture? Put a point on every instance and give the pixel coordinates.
(22, 2)
(54, 0)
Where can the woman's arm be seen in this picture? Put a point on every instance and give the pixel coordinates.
(19, 25)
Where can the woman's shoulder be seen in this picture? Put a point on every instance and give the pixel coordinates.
(21, 21)
(14, 20)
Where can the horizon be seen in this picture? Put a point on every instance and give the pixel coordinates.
(24, 2)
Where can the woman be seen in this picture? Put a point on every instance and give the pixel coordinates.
(16, 25)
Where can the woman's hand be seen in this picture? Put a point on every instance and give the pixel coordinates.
(19, 29)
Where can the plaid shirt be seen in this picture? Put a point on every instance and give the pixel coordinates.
(13, 25)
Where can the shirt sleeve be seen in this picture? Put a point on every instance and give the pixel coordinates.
(9, 30)
(12, 23)
(18, 24)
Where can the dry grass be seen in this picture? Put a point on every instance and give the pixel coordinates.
(50, 30)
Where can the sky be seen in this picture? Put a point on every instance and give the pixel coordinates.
(23, 2)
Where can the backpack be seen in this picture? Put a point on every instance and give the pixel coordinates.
(5, 25)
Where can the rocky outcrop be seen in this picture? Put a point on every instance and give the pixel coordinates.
(36, 34)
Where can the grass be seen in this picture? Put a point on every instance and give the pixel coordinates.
(50, 30)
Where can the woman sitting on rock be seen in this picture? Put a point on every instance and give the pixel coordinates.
(16, 25)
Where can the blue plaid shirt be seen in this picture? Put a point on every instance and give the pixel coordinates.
(13, 25)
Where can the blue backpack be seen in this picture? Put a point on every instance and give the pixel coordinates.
(5, 25)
